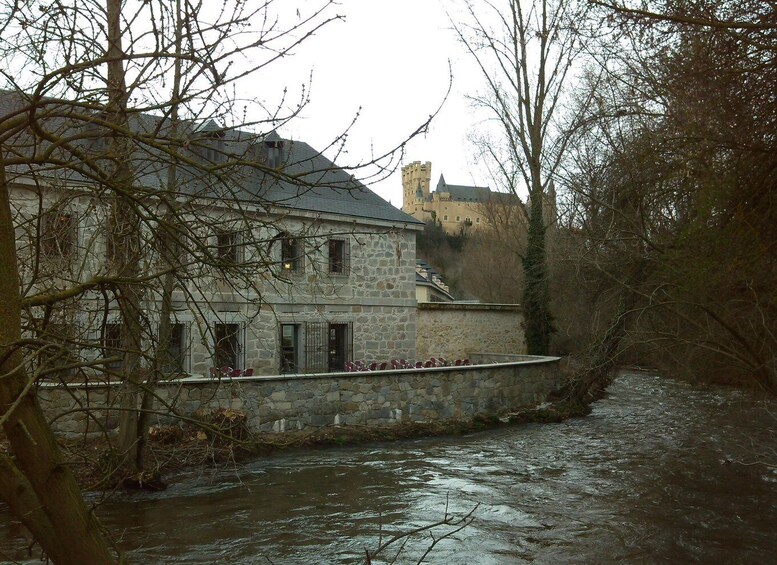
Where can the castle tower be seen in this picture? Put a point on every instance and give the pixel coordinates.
(416, 178)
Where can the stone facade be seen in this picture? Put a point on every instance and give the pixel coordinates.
(332, 266)
(463, 207)
(453, 212)
(376, 398)
(376, 300)
(457, 329)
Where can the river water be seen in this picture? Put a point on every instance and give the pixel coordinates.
(659, 472)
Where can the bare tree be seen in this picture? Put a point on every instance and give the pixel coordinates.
(525, 51)
(672, 177)
(105, 104)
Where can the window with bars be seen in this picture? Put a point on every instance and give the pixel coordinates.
(228, 346)
(327, 346)
(58, 235)
(339, 256)
(292, 255)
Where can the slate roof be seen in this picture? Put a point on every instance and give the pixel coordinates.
(428, 279)
(464, 193)
(290, 174)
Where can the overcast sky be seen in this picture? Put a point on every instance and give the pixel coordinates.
(391, 58)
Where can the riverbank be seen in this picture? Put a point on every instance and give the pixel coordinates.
(225, 440)
(662, 472)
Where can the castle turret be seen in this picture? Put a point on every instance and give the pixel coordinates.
(416, 178)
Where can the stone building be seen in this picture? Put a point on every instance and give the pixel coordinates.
(456, 207)
(429, 286)
(283, 262)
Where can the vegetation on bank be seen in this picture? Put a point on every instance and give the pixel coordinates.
(663, 249)
(223, 437)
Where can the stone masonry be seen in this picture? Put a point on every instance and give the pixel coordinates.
(454, 329)
(301, 402)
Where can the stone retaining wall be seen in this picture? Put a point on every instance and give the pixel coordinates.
(300, 402)
(453, 329)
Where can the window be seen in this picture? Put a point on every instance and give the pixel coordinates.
(58, 235)
(327, 346)
(112, 345)
(458, 218)
(445, 217)
(289, 348)
(339, 260)
(227, 349)
(175, 360)
(340, 346)
(210, 144)
(110, 246)
(59, 351)
(213, 151)
(292, 255)
(171, 246)
(273, 153)
(98, 138)
(228, 247)
(477, 220)
(118, 247)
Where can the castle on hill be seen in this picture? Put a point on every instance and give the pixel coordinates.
(456, 207)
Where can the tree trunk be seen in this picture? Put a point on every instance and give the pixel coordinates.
(125, 234)
(536, 294)
(48, 497)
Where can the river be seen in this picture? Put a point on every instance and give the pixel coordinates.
(659, 472)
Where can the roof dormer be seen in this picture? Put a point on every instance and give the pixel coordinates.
(208, 141)
(272, 150)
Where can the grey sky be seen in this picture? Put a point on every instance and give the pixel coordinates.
(390, 57)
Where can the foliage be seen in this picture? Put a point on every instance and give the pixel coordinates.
(444, 252)
(435, 239)
(673, 182)
(536, 290)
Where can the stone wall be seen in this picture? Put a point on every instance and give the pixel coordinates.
(301, 402)
(374, 296)
(377, 298)
(455, 330)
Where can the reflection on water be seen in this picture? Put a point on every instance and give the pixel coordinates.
(660, 472)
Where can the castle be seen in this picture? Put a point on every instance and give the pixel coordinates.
(454, 207)
(459, 207)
